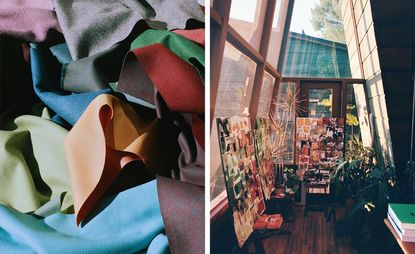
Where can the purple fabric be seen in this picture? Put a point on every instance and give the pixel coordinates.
(183, 211)
(30, 21)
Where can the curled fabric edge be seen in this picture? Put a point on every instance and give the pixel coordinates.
(107, 137)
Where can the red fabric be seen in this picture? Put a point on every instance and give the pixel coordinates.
(196, 35)
(177, 82)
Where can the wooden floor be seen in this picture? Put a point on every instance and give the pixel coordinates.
(309, 235)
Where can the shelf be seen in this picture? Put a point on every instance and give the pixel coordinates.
(407, 247)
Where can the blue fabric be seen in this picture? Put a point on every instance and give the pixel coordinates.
(68, 106)
(159, 245)
(128, 224)
(61, 52)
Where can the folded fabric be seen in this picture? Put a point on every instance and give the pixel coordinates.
(184, 48)
(183, 215)
(40, 4)
(95, 25)
(178, 83)
(159, 245)
(46, 82)
(124, 223)
(33, 164)
(118, 135)
(196, 35)
(33, 21)
(96, 71)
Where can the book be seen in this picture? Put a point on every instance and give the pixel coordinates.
(404, 238)
(403, 215)
(265, 221)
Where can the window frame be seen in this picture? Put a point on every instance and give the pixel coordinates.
(222, 32)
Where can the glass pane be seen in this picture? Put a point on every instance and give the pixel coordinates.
(277, 31)
(247, 18)
(315, 43)
(266, 95)
(357, 117)
(320, 103)
(234, 95)
(284, 108)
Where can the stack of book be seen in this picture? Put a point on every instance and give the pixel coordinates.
(268, 222)
(402, 218)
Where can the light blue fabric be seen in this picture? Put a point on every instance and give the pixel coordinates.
(47, 86)
(128, 224)
(159, 245)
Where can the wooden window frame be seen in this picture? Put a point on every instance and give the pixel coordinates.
(222, 32)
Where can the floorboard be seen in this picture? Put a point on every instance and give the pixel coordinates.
(309, 235)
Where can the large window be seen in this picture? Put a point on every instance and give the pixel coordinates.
(246, 38)
(316, 45)
(266, 96)
(284, 118)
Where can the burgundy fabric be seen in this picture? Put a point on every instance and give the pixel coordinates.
(156, 75)
(177, 82)
(196, 35)
(182, 208)
(29, 23)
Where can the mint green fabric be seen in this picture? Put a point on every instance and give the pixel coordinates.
(181, 46)
(33, 167)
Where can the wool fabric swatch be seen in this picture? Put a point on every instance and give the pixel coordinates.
(196, 35)
(117, 135)
(184, 48)
(33, 21)
(40, 4)
(46, 82)
(123, 223)
(95, 25)
(30, 176)
(156, 67)
(186, 206)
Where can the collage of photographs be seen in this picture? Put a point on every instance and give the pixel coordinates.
(207, 126)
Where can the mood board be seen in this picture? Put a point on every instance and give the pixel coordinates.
(319, 141)
(242, 179)
(264, 155)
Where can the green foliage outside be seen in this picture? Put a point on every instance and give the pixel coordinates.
(326, 19)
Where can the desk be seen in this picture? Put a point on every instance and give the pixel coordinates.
(407, 247)
(317, 196)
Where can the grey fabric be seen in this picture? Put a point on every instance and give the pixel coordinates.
(93, 73)
(91, 26)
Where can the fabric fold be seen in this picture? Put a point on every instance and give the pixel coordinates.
(46, 83)
(196, 35)
(95, 25)
(117, 135)
(124, 223)
(186, 206)
(33, 21)
(183, 47)
(155, 67)
(30, 176)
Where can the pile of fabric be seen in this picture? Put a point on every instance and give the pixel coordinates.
(102, 126)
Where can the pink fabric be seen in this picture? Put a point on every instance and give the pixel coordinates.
(40, 4)
(29, 23)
